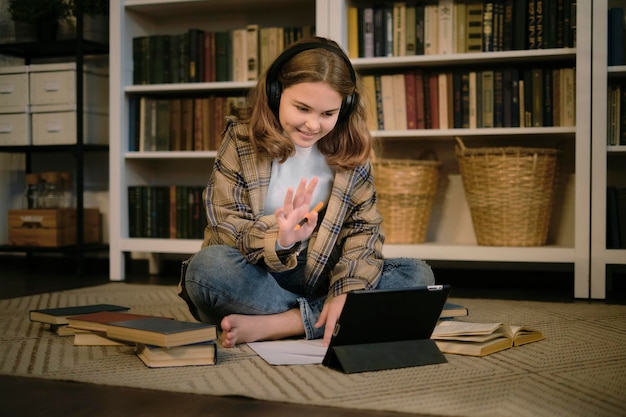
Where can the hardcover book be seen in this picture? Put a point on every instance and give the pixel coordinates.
(453, 310)
(204, 353)
(93, 338)
(97, 321)
(481, 339)
(161, 331)
(59, 315)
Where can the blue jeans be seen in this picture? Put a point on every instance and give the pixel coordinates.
(220, 282)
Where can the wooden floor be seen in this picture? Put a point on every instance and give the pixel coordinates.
(37, 397)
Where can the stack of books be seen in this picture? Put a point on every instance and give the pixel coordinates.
(159, 341)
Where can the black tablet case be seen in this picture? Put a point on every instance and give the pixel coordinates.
(387, 329)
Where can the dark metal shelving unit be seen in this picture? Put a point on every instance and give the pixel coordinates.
(77, 48)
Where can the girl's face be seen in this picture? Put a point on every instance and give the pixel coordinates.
(308, 111)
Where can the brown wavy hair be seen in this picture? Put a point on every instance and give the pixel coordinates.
(349, 144)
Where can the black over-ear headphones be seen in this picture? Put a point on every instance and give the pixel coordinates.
(274, 88)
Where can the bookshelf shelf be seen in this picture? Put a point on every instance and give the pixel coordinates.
(471, 58)
(189, 87)
(450, 237)
(170, 155)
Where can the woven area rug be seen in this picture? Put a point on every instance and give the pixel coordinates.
(578, 370)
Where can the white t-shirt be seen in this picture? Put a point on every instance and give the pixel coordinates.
(306, 163)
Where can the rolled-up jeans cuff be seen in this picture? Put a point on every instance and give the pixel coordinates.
(310, 313)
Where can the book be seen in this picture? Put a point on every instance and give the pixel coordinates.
(59, 315)
(93, 338)
(388, 108)
(474, 29)
(97, 321)
(453, 310)
(481, 339)
(431, 29)
(203, 353)
(399, 28)
(367, 31)
(399, 101)
(445, 27)
(410, 36)
(353, 32)
(252, 51)
(161, 332)
(369, 88)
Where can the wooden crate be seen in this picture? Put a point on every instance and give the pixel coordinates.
(52, 227)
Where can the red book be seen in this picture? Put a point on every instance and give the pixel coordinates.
(419, 100)
(410, 98)
(99, 320)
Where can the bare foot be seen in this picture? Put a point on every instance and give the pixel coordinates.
(239, 328)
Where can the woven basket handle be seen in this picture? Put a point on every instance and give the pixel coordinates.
(460, 143)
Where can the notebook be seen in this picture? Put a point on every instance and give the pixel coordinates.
(385, 329)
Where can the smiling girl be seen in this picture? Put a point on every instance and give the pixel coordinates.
(302, 140)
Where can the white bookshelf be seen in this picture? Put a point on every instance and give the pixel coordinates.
(608, 162)
(450, 236)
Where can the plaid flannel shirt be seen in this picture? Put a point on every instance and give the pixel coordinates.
(344, 252)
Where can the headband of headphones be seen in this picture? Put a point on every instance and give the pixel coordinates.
(274, 88)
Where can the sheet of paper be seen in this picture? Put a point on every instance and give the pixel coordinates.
(290, 352)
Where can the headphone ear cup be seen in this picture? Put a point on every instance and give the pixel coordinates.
(273, 96)
(347, 107)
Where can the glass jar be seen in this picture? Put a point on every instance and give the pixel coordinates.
(53, 193)
(32, 194)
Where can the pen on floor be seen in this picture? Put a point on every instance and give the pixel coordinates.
(316, 209)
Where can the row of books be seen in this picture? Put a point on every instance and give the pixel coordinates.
(615, 217)
(419, 99)
(404, 28)
(159, 341)
(179, 124)
(168, 211)
(198, 55)
(616, 115)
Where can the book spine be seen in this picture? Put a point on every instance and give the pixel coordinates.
(252, 51)
(465, 99)
(446, 30)
(410, 29)
(520, 25)
(474, 19)
(488, 27)
(487, 98)
(368, 32)
(410, 97)
(419, 29)
(532, 25)
(537, 97)
(420, 100)
(539, 24)
(399, 28)
(498, 98)
(353, 32)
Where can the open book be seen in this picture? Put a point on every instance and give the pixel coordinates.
(480, 339)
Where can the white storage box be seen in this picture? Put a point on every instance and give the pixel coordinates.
(13, 89)
(55, 84)
(59, 128)
(14, 129)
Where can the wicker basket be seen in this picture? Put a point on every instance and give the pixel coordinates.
(510, 193)
(406, 191)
